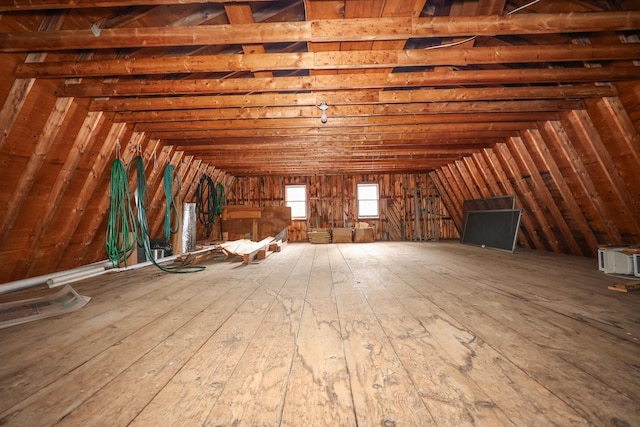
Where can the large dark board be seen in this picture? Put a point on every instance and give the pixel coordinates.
(497, 229)
(488, 204)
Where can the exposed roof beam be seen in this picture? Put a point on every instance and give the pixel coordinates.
(329, 60)
(21, 5)
(92, 88)
(346, 122)
(368, 138)
(348, 110)
(346, 98)
(361, 29)
(320, 132)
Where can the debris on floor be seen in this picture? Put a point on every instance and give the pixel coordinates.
(625, 287)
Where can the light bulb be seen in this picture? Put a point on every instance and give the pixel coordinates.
(324, 107)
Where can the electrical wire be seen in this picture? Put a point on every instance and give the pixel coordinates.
(468, 39)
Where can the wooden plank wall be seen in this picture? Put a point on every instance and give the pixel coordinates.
(577, 178)
(54, 194)
(332, 202)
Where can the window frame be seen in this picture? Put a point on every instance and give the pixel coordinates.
(359, 199)
(305, 201)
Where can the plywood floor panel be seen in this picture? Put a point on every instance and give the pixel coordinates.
(318, 389)
(386, 333)
(538, 348)
(187, 399)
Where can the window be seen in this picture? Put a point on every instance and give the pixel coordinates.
(296, 198)
(368, 201)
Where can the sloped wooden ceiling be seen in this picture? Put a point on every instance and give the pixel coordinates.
(538, 98)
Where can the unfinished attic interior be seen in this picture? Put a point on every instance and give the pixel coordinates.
(272, 212)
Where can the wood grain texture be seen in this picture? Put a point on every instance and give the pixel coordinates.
(386, 333)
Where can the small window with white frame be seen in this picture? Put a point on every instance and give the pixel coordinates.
(368, 200)
(296, 198)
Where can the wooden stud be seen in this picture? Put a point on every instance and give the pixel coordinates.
(528, 197)
(83, 138)
(548, 163)
(582, 186)
(28, 176)
(527, 225)
(604, 170)
(542, 194)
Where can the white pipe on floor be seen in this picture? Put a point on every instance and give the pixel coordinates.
(75, 276)
(143, 264)
(41, 280)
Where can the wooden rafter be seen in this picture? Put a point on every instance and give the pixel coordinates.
(21, 5)
(347, 98)
(92, 88)
(330, 60)
(360, 29)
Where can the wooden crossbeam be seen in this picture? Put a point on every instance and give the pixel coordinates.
(342, 122)
(312, 131)
(442, 77)
(334, 60)
(351, 111)
(334, 30)
(353, 138)
(353, 97)
(22, 5)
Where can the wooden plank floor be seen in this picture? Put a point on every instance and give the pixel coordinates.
(380, 334)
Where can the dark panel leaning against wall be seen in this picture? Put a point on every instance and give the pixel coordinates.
(575, 178)
(332, 202)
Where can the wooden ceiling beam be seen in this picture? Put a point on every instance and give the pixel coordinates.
(350, 111)
(370, 138)
(353, 98)
(93, 88)
(330, 60)
(435, 145)
(23, 5)
(340, 122)
(316, 130)
(334, 30)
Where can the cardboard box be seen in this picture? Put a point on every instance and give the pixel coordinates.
(363, 235)
(342, 235)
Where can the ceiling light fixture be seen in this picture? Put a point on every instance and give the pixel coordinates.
(324, 107)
